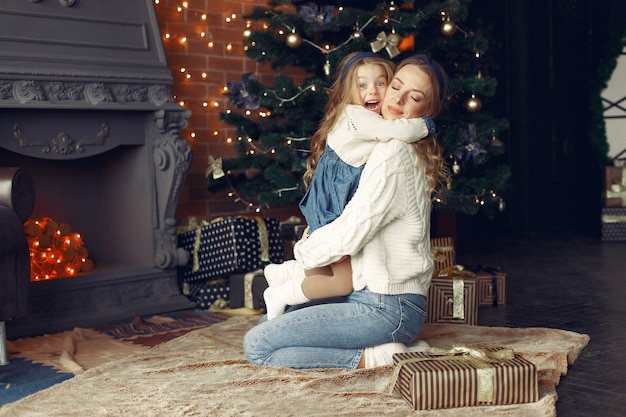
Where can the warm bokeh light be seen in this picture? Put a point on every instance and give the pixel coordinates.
(55, 250)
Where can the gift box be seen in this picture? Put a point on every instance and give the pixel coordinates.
(463, 377)
(613, 224)
(246, 290)
(452, 300)
(230, 246)
(442, 250)
(204, 294)
(491, 287)
(615, 186)
(291, 234)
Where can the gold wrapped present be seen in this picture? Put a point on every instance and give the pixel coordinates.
(464, 376)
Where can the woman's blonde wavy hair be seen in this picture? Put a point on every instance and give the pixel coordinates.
(344, 91)
(428, 149)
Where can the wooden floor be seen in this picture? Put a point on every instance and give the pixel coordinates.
(576, 284)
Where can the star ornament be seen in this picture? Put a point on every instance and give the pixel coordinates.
(240, 96)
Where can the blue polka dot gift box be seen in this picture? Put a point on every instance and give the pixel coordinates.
(204, 294)
(230, 246)
(613, 224)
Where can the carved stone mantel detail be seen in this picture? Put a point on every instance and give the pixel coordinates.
(83, 93)
(63, 144)
(172, 157)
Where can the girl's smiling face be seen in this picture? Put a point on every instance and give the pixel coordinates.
(409, 94)
(372, 86)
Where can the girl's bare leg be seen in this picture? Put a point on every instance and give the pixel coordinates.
(332, 281)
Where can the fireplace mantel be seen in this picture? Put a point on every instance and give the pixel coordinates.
(86, 106)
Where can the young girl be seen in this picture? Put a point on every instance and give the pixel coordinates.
(339, 150)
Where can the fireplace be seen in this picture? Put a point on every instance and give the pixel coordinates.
(86, 108)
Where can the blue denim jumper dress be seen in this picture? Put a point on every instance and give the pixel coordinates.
(333, 185)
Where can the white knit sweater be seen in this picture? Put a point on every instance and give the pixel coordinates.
(358, 130)
(385, 227)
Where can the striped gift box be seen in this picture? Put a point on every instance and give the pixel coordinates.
(452, 300)
(491, 288)
(429, 382)
(442, 250)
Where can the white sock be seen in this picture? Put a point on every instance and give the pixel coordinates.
(417, 345)
(382, 355)
(277, 298)
(277, 274)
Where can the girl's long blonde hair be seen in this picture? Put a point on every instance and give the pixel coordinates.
(344, 91)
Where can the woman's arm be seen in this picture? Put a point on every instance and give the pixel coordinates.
(378, 200)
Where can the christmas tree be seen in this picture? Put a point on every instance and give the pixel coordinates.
(275, 122)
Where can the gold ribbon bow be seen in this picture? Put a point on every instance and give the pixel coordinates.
(196, 246)
(482, 355)
(214, 167)
(439, 253)
(389, 43)
(456, 271)
(480, 358)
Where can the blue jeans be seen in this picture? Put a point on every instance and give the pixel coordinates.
(334, 334)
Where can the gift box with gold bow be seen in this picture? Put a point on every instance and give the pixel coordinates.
(204, 294)
(228, 246)
(246, 290)
(464, 376)
(442, 251)
(452, 297)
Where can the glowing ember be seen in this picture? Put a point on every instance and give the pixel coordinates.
(55, 251)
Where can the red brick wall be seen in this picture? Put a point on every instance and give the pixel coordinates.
(209, 63)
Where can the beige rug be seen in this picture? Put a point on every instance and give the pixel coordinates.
(73, 351)
(204, 373)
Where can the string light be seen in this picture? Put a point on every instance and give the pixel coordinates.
(201, 33)
(55, 250)
(283, 100)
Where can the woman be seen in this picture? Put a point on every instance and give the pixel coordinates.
(339, 150)
(385, 228)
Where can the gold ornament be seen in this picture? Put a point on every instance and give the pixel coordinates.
(327, 68)
(472, 104)
(389, 43)
(494, 139)
(501, 205)
(448, 27)
(456, 168)
(293, 40)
